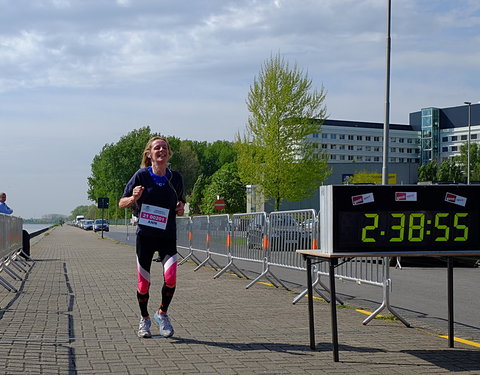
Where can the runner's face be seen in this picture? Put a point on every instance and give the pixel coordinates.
(159, 151)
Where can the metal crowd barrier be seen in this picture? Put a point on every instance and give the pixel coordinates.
(11, 250)
(272, 240)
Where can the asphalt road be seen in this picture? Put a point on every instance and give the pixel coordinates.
(418, 293)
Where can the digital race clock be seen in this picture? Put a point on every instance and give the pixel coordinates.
(399, 218)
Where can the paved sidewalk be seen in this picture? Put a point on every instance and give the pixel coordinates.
(76, 312)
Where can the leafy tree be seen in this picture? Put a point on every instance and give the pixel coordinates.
(113, 167)
(226, 184)
(450, 171)
(185, 161)
(79, 210)
(428, 171)
(196, 198)
(274, 153)
(474, 161)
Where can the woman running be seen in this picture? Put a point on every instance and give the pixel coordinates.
(157, 192)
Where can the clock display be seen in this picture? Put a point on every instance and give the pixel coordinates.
(401, 218)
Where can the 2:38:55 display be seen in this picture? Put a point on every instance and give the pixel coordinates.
(415, 226)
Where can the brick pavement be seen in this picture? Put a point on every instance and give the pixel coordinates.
(76, 312)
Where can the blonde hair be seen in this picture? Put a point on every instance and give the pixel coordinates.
(146, 161)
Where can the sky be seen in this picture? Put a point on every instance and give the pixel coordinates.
(78, 74)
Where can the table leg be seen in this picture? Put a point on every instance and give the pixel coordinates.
(311, 321)
(450, 301)
(333, 308)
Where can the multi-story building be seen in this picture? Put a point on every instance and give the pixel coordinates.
(362, 142)
(444, 130)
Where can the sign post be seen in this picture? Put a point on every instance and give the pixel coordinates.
(103, 203)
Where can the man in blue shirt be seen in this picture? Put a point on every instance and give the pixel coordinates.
(4, 209)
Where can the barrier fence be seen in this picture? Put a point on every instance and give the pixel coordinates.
(271, 240)
(12, 258)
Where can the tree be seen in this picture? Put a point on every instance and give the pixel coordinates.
(450, 171)
(428, 172)
(226, 184)
(274, 153)
(113, 167)
(474, 161)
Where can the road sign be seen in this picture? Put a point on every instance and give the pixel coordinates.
(219, 204)
(103, 202)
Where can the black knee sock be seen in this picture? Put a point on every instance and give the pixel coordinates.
(143, 303)
(167, 295)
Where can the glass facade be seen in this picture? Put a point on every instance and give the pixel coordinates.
(430, 135)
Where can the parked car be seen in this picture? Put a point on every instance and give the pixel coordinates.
(87, 224)
(284, 234)
(101, 225)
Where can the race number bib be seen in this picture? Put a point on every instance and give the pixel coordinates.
(153, 216)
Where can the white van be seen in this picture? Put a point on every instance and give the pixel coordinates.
(78, 219)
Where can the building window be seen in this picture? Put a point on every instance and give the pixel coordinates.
(463, 137)
(350, 137)
(324, 145)
(368, 138)
(342, 157)
(376, 139)
(368, 158)
(473, 136)
(376, 149)
(376, 158)
(333, 147)
(341, 147)
(393, 139)
(350, 148)
(315, 135)
(444, 139)
(359, 148)
(333, 136)
(333, 157)
(368, 148)
(359, 137)
(350, 157)
(409, 150)
(401, 150)
(454, 138)
(454, 148)
(324, 136)
(444, 149)
(360, 158)
(341, 136)
(401, 140)
(393, 149)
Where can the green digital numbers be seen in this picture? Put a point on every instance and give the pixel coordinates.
(409, 227)
(370, 228)
(461, 227)
(442, 227)
(416, 228)
(400, 228)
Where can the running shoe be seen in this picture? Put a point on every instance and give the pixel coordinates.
(166, 329)
(144, 328)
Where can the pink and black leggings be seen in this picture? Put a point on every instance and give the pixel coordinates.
(167, 249)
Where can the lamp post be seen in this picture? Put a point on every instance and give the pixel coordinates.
(386, 124)
(468, 139)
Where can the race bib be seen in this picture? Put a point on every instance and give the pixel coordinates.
(153, 216)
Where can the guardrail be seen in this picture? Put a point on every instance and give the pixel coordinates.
(12, 258)
(270, 240)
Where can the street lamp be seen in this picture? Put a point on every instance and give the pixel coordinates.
(468, 139)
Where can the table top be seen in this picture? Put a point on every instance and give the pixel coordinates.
(320, 254)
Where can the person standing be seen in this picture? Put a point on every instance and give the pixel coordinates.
(4, 209)
(157, 193)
